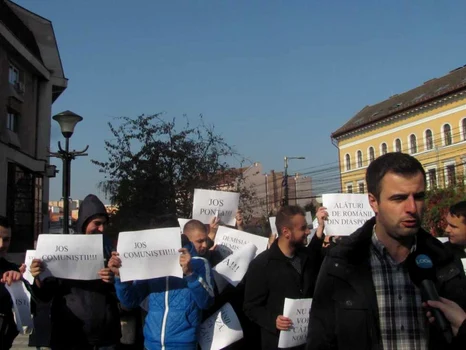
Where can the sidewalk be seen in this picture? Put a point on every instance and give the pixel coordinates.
(21, 343)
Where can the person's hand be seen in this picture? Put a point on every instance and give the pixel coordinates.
(452, 311)
(114, 264)
(322, 215)
(239, 219)
(213, 226)
(283, 323)
(185, 261)
(22, 268)
(107, 275)
(36, 268)
(11, 276)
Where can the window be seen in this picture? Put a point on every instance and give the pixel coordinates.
(397, 145)
(371, 154)
(383, 148)
(349, 188)
(361, 187)
(432, 178)
(463, 128)
(359, 159)
(348, 162)
(447, 135)
(450, 174)
(429, 140)
(12, 121)
(412, 144)
(13, 75)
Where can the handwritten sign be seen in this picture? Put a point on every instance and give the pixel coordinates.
(149, 254)
(76, 257)
(229, 240)
(182, 222)
(220, 330)
(273, 227)
(346, 212)
(298, 311)
(21, 299)
(233, 268)
(209, 203)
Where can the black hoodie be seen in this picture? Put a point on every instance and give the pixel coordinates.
(84, 313)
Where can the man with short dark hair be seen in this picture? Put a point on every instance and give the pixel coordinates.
(456, 229)
(364, 298)
(287, 270)
(10, 273)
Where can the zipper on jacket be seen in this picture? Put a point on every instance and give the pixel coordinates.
(165, 315)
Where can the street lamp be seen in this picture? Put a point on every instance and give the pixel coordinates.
(67, 121)
(285, 199)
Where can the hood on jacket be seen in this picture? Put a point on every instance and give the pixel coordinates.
(90, 207)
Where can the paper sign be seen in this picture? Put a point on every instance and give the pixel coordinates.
(229, 240)
(182, 222)
(309, 218)
(443, 239)
(208, 202)
(346, 212)
(298, 311)
(21, 299)
(149, 254)
(30, 254)
(220, 330)
(76, 257)
(463, 261)
(273, 227)
(233, 268)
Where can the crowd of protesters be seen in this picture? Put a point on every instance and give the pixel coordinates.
(364, 292)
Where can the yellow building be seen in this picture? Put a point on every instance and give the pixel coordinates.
(428, 122)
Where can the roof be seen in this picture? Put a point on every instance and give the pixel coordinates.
(431, 90)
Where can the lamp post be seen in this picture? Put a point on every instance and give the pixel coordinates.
(285, 199)
(67, 121)
(267, 194)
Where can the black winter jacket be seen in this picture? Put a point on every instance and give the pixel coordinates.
(271, 278)
(8, 330)
(344, 313)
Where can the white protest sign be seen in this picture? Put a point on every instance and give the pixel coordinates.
(210, 203)
(298, 311)
(309, 218)
(346, 212)
(229, 240)
(220, 330)
(149, 254)
(182, 222)
(273, 227)
(233, 268)
(76, 257)
(463, 261)
(21, 299)
(30, 255)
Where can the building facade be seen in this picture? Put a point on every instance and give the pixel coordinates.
(31, 79)
(428, 122)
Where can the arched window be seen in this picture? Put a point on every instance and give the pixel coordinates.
(384, 148)
(371, 154)
(412, 144)
(447, 135)
(359, 159)
(348, 161)
(397, 145)
(429, 140)
(463, 127)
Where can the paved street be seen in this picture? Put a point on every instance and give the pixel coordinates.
(21, 343)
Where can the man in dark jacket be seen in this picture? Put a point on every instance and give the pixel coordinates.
(10, 273)
(287, 270)
(364, 298)
(84, 314)
(456, 231)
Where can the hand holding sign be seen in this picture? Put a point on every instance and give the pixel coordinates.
(106, 275)
(283, 323)
(10, 276)
(185, 261)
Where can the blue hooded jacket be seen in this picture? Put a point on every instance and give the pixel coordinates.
(174, 305)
